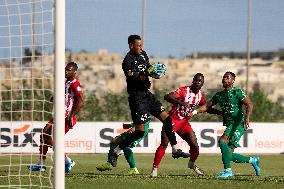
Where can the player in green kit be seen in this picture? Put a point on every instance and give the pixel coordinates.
(231, 100)
(128, 153)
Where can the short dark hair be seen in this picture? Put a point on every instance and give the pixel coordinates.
(231, 73)
(198, 74)
(73, 64)
(132, 38)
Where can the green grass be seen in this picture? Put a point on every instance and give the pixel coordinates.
(172, 173)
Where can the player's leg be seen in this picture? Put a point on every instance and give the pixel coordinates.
(226, 157)
(128, 153)
(177, 125)
(127, 141)
(110, 163)
(167, 124)
(188, 135)
(253, 160)
(129, 156)
(230, 134)
(160, 152)
(69, 163)
(45, 142)
(140, 132)
(238, 158)
(156, 109)
(139, 112)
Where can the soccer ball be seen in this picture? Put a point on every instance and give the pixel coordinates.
(157, 70)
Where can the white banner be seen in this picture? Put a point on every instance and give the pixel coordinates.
(94, 137)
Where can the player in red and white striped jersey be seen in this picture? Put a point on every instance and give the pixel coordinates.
(183, 100)
(73, 103)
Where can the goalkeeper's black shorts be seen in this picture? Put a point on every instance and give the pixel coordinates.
(142, 104)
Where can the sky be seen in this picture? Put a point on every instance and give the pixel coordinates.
(174, 27)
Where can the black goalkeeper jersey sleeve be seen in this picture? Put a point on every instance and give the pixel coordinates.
(138, 64)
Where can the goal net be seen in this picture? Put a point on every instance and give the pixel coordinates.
(26, 86)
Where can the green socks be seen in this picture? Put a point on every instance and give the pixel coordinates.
(129, 157)
(238, 158)
(226, 155)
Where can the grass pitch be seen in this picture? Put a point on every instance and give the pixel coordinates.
(172, 174)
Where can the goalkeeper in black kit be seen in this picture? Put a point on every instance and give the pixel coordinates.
(142, 102)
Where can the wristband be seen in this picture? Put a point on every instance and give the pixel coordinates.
(194, 112)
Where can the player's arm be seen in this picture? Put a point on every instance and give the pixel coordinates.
(202, 108)
(174, 99)
(214, 111)
(144, 75)
(130, 72)
(77, 105)
(210, 109)
(249, 106)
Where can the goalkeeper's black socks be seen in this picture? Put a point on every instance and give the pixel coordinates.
(169, 130)
(131, 138)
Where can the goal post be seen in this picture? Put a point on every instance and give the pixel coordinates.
(32, 67)
(59, 93)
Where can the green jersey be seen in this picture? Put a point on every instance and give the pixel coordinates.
(231, 105)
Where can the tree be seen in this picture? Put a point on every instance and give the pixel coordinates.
(264, 109)
(115, 107)
(92, 110)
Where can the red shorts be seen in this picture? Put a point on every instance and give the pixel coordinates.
(181, 126)
(66, 125)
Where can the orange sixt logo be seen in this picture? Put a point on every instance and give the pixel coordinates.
(21, 130)
(120, 131)
(220, 132)
(18, 137)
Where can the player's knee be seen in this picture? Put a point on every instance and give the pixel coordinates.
(139, 133)
(47, 129)
(194, 146)
(112, 145)
(168, 124)
(222, 143)
(164, 145)
(164, 142)
(224, 138)
(140, 127)
(167, 121)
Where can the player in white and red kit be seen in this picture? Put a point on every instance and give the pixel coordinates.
(73, 103)
(183, 100)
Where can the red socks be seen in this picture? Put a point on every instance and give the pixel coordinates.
(160, 152)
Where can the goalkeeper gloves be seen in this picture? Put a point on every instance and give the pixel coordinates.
(157, 70)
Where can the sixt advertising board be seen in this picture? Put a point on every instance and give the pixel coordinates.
(94, 137)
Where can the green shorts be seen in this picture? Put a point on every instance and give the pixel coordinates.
(133, 144)
(234, 131)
